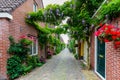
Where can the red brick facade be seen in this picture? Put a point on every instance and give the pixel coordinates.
(4, 31)
(112, 62)
(16, 28)
(92, 50)
(112, 56)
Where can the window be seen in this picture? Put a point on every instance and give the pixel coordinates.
(34, 48)
(35, 7)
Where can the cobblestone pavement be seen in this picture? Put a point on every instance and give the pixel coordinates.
(61, 67)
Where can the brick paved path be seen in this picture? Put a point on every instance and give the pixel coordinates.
(61, 67)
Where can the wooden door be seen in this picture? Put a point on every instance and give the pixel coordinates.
(101, 58)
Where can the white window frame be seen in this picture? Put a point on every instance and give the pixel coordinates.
(35, 7)
(36, 41)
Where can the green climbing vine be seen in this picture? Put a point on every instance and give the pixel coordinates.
(44, 34)
(78, 14)
(109, 10)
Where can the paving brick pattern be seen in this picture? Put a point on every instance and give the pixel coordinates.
(61, 67)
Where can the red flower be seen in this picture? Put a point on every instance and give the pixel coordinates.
(107, 32)
(23, 36)
(106, 40)
(114, 37)
(118, 35)
(100, 24)
(113, 32)
(117, 43)
(97, 33)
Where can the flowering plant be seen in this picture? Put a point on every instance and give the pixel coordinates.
(107, 33)
(25, 40)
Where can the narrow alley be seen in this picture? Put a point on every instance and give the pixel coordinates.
(59, 39)
(61, 67)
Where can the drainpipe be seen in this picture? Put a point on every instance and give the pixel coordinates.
(99, 8)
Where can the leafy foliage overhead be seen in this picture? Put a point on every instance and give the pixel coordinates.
(109, 11)
(78, 12)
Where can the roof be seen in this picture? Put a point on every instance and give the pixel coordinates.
(10, 5)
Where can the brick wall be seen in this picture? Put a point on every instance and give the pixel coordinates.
(113, 57)
(4, 31)
(92, 51)
(16, 28)
(40, 3)
(112, 62)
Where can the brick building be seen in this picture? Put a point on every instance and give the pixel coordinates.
(105, 59)
(12, 23)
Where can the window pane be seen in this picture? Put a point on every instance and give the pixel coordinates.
(34, 7)
(30, 47)
(34, 48)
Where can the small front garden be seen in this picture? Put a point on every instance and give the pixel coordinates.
(20, 61)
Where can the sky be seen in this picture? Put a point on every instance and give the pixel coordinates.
(60, 2)
(46, 2)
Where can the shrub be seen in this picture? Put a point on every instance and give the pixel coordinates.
(39, 64)
(58, 50)
(19, 48)
(14, 67)
(76, 56)
(49, 54)
(32, 61)
(26, 41)
(42, 60)
(27, 68)
(20, 63)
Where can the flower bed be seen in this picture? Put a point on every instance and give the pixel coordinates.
(20, 62)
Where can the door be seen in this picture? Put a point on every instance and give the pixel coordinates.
(101, 58)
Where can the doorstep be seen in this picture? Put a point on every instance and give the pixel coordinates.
(90, 75)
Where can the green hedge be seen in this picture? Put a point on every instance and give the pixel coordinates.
(27, 68)
(14, 67)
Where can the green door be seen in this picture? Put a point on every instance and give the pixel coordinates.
(101, 58)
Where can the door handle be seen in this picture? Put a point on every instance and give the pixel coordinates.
(101, 56)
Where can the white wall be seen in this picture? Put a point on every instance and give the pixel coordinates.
(85, 51)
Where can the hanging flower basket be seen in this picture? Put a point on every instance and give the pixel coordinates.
(107, 33)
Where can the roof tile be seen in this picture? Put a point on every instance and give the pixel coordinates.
(10, 5)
